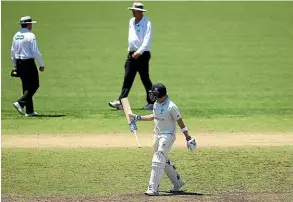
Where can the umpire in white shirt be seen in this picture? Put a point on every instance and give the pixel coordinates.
(24, 52)
(139, 40)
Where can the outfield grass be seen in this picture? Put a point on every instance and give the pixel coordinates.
(227, 65)
(37, 172)
(100, 125)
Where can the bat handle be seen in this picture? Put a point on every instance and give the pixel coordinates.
(133, 126)
(133, 129)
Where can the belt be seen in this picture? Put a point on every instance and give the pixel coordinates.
(28, 59)
(131, 52)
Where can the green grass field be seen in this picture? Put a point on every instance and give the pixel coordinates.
(218, 60)
(227, 65)
(76, 172)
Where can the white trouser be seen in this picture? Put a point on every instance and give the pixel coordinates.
(162, 146)
(164, 143)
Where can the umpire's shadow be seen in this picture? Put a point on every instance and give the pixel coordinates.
(181, 193)
(48, 115)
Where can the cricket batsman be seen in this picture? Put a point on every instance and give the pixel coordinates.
(165, 115)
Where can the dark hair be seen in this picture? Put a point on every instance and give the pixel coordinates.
(24, 25)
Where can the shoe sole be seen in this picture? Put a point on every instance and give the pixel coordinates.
(17, 109)
(151, 194)
(115, 107)
(31, 115)
(112, 106)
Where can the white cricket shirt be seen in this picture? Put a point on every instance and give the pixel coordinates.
(25, 46)
(166, 115)
(139, 35)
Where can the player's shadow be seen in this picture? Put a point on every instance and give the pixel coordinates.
(49, 115)
(140, 109)
(181, 193)
(134, 109)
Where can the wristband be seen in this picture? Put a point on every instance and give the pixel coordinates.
(138, 117)
(184, 129)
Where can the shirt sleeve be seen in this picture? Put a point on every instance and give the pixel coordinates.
(147, 39)
(12, 55)
(175, 113)
(36, 52)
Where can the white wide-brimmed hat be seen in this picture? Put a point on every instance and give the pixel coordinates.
(137, 6)
(26, 20)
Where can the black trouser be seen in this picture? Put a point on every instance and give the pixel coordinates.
(140, 65)
(29, 76)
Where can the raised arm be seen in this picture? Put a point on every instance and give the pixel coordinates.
(136, 117)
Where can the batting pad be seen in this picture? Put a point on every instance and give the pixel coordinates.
(157, 173)
(172, 174)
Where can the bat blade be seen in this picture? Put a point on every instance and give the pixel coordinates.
(137, 140)
(126, 108)
(132, 124)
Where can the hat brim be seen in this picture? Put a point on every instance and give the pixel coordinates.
(24, 23)
(137, 9)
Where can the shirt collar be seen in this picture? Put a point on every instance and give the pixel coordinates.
(141, 20)
(24, 30)
(166, 100)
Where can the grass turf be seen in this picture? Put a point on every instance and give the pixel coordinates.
(38, 172)
(227, 65)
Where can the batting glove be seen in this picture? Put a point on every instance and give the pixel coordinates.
(134, 117)
(191, 144)
(132, 126)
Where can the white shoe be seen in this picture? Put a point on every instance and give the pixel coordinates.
(176, 188)
(151, 193)
(116, 104)
(148, 107)
(19, 108)
(32, 114)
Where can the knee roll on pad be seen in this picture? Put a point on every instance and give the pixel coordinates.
(159, 159)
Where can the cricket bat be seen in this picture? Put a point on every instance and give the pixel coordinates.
(132, 124)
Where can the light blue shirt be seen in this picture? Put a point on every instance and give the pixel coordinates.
(166, 115)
